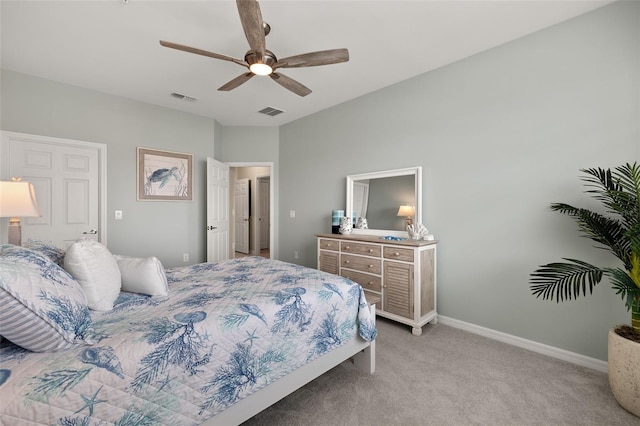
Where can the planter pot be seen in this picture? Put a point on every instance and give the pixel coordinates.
(624, 374)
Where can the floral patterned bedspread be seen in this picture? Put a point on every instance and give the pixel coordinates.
(226, 330)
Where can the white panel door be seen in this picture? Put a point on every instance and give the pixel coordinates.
(241, 194)
(264, 209)
(217, 211)
(67, 176)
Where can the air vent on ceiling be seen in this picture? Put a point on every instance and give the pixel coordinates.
(271, 111)
(183, 97)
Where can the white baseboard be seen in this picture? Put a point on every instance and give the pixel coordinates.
(551, 351)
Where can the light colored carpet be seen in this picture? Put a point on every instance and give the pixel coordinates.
(451, 377)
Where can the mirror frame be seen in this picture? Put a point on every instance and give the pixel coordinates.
(417, 174)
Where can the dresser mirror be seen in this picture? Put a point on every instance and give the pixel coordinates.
(378, 196)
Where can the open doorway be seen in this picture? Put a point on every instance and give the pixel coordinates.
(250, 202)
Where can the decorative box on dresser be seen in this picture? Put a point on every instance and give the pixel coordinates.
(398, 276)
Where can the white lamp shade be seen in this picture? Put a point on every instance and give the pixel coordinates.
(18, 199)
(406, 211)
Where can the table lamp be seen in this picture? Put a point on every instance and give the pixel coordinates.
(408, 212)
(17, 199)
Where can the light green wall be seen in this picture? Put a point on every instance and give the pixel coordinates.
(162, 229)
(249, 143)
(499, 136)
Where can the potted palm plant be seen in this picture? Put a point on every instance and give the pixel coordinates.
(617, 230)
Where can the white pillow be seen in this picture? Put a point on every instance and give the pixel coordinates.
(142, 275)
(95, 268)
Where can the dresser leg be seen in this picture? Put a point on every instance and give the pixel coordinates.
(417, 331)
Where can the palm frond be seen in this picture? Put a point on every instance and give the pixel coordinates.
(602, 180)
(633, 234)
(618, 190)
(628, 177)
(618, 229)
(623, 285)
(607, 231)
(605, 184)
(564, 280)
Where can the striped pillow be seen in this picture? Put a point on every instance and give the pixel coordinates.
(43, 308)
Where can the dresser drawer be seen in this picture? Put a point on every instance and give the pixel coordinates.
(360, 248)
(398, 253)
(359, 263)
(326, 244)
(368, 282)
(328, 261)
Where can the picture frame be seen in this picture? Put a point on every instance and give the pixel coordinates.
(164, 175)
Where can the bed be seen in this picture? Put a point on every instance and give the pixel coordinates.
(227, 340)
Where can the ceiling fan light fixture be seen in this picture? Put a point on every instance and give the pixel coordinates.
(260, 65)
(260, 69)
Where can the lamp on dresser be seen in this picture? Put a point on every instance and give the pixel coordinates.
(407, 211)
(17, 199)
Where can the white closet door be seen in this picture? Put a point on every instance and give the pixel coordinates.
(68, 177)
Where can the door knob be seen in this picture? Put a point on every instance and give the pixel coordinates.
(92, 232)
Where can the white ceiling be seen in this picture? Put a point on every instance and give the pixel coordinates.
(113, 47)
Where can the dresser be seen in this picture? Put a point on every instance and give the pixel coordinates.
(398, 276)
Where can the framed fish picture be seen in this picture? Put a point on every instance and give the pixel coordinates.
(164, 175)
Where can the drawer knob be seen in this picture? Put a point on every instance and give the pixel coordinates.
(370, 282)
(396, 254)
(370, 250)
(347, 247)
(370, 266)
(347, 261)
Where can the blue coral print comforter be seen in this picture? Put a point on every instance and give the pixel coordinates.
(226, 330)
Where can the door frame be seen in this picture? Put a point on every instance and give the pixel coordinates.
(270, 164)
(258, 239)
(102, 172)
(246, 224)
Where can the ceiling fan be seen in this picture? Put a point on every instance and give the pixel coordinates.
(260, 61)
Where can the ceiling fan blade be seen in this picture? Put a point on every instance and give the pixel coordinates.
(197, 51)
(313, 59)
(290, 84)
(241, 79)
(251, 19)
